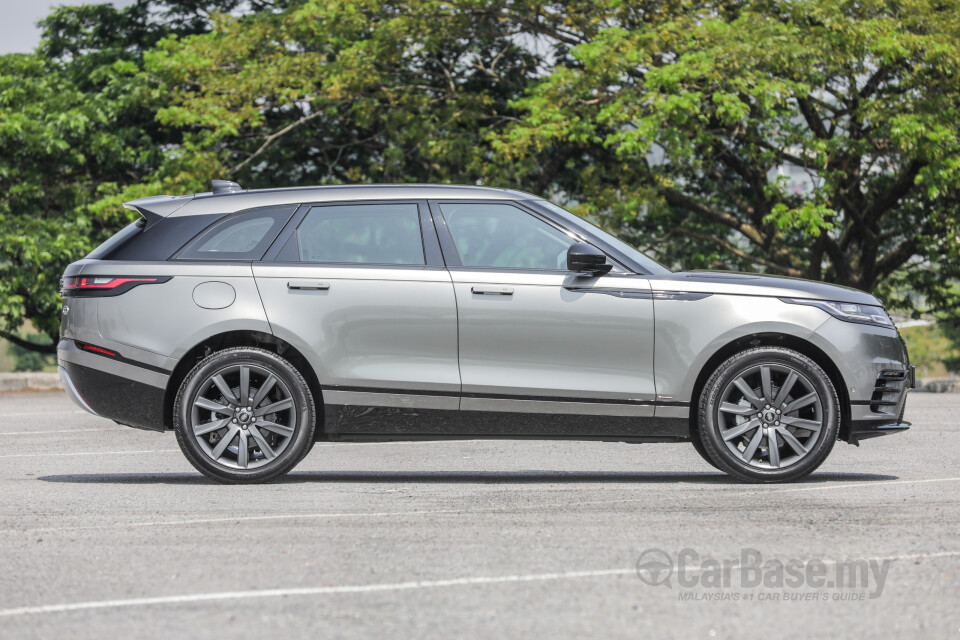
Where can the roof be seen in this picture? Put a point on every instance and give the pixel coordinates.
(156, 207)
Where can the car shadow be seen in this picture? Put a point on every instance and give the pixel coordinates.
(462, 477)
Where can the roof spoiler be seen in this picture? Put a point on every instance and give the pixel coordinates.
(156, 208)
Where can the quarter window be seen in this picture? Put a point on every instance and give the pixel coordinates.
(243, 236)
(362, 234)
(496, 235)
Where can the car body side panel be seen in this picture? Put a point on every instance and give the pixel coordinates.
(389, 329)
(158, 323)
(690, 331)
(556, 336)
(168, 319)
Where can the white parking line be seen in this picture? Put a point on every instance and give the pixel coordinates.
(883, 483)
(34, 433)
(85, 453)
(368, 588)
(94, 453)
(40, 413)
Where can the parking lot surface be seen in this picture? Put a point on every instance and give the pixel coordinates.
(106, 531)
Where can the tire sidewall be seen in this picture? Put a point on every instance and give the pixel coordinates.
(731, 368)
(299, 392)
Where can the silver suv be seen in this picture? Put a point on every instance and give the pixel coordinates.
(255, 323)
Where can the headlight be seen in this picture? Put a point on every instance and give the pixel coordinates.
(849, 312)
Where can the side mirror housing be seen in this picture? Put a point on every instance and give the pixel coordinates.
(587, 259)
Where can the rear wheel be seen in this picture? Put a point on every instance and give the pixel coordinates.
(768, 414)
(244, 415)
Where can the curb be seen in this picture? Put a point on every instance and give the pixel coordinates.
(30, 382)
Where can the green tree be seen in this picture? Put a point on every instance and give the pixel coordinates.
(675, 123)
(30, 359)
(78, 134)
(361, 91)
(689, 113)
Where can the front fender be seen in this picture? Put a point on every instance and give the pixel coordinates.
(690, 332)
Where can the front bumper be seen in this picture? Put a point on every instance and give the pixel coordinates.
(883, 414)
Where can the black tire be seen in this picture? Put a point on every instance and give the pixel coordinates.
(746, 366)
(698, 445)
(296, 444)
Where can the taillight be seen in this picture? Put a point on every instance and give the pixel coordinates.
(84, 286)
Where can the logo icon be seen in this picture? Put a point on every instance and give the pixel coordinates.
(654, 567)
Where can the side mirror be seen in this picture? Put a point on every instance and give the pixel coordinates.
(586, 258)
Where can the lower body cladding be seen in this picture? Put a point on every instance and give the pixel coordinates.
(352, 414)
(134, 394)
(883, 413)
(129, 394)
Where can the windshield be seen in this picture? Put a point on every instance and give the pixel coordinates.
(648, 264)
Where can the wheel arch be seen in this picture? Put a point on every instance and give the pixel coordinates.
(773, 339)
(241, 338)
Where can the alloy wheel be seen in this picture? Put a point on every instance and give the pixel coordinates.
(243, 416)
(770, 416)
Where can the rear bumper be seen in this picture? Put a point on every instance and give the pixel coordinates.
(72, 393)
(105, 388)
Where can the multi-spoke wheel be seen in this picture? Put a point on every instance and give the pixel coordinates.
(244, 415)
(768, 414)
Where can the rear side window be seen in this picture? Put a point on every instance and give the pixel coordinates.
(362, 234)
(244, 236)
(117, 240)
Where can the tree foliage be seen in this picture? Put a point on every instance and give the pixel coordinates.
(78, 134)
(810, 138)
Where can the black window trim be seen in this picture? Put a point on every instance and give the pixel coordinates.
(225, 219)
(433, 257)
(613, 253)
(452, 257)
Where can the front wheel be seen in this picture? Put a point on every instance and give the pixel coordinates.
(244, 415)
(768, 414)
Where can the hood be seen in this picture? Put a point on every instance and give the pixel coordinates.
(736, 283)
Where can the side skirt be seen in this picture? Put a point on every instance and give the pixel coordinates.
(369, 423)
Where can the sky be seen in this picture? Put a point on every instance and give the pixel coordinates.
(18, 18)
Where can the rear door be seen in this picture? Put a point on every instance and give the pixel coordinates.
(360, 289)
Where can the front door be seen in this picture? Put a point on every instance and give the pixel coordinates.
(544, 351)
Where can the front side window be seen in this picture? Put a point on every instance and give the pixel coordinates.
(362, 234)
(496, 235)
(242, 236)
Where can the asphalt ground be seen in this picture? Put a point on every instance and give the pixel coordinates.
(106, 531)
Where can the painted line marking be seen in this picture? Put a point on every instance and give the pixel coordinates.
(367, 588)
(883, 483)
(42, 413)
(33, 433)
(85, 453)
(93, 453)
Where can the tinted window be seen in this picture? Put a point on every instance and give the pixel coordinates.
(362, 234)
(117, 240)
(501, 235)
(243, 236)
